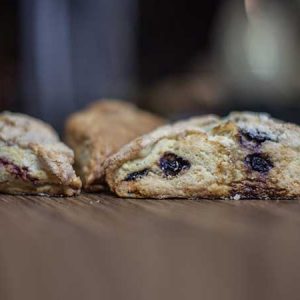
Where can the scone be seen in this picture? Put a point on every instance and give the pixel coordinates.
(242, 156)
(33, 160)
(101, 130)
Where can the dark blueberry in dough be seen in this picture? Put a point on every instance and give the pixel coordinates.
(18, 172)
(171, 164)
(254, 136)
(259, 162)
(137, 175)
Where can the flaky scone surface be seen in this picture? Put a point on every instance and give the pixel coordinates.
(242, 156)
(33, 160)
(101, 130)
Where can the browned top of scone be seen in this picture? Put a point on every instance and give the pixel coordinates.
(102, 129)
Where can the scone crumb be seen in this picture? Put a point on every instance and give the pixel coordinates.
(236, 197)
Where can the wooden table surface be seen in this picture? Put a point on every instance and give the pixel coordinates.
(96, 246)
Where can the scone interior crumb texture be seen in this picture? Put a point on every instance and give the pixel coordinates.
(100, 130)
(33, 160)
(242, 156)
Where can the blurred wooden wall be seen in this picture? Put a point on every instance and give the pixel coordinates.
(74, 52)
(8, 53)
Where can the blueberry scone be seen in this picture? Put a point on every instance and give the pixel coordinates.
(33, 160)
(242, 156)
(100, 131)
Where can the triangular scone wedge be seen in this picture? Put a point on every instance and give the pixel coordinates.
(33, 160)
(102, 129)
(242, 156)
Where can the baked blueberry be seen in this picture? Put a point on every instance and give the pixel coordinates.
(254, 137)
(259, 162)
(18, 172)
(137, 175)
(172, 164)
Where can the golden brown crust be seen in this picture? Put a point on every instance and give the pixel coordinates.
(243, 156)
(99, 131)
(33, 160)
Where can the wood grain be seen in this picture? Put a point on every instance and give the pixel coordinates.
(102, 247)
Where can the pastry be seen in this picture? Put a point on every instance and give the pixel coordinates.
(101, 130)
(242, 156)
(33, 160)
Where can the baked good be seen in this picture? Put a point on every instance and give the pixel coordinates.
(242, 156)
(33, 160)
(184, 93)
(99, 131)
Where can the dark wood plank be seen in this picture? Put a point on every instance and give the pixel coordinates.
(96, 246)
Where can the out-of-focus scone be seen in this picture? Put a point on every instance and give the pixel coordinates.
(100, 131)
(33, 160)
(242, 156)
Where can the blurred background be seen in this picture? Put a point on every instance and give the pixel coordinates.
(176, 58)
